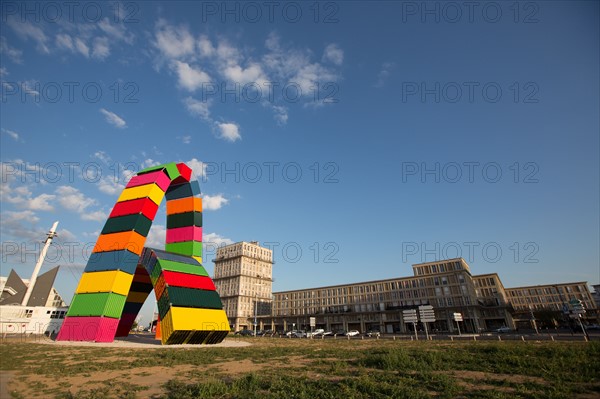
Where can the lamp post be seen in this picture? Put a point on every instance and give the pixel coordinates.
(256, 303)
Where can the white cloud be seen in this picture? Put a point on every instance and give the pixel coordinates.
(100, 48)
(189, 77)
(110, 185)
(115, 30)
(252, 74)
(281, 114)
(334, 54)
(81, 47)
(11, 133)
(156, 236)
(216, 240)
(198, 168)
(198, 108)
(186, 139)
(205, 47)
(384, 73)
(3, 72)
(213, 202)
(113, 119)
(96, 216)
(174, 42)
(74, 200)
(11, 52)
(64, 41)
(40, 203)
(27, 30)
(229, 131)
(102, 156)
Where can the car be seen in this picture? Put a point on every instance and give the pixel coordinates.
(502, 329)
(352, 333)
(593, 327)
(296, 334)
(317, 333)
(373, 334)
(328, 333)
(244, 333)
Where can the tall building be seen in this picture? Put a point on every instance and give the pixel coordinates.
(244, 279)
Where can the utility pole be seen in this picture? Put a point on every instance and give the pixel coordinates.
(36, 270)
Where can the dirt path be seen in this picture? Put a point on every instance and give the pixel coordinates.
(5, 377)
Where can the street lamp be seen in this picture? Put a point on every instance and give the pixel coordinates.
(256, 304)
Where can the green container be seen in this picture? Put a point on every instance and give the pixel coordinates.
(171, 168)
(136, 222)
(106, 304)
(188, 298)
(189, 248)
(184, 220)
(177, 267)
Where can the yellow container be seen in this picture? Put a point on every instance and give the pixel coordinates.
(106, 281)
(151, 191)
(198, 258)
(192, 319)
(137, 297)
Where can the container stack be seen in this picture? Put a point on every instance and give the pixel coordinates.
(105, 286)
(120, 273)
(189, 307)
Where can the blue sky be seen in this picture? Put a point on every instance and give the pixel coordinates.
(357, 138)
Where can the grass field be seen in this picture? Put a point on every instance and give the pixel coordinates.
(285, 368)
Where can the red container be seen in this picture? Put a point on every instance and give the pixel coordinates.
(188, 233)
(144, 206)
(159, 178)
(186, 173)
(125, 324)
(95, 329)
(177, 279)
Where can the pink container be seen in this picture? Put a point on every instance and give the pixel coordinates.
(159, 178)
(96, 329)
(181, 234)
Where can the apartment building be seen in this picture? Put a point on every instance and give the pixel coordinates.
(447, 285)
(243, 278)
(377, 305)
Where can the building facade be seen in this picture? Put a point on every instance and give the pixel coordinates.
(244, 279)
(447, 285)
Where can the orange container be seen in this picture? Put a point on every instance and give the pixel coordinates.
(129, 240)
(183, 205)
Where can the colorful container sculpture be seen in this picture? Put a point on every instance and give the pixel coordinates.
(121, 273)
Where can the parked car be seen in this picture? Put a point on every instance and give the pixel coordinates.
(593, 327)
(352, 333)
(296, 334)
(317, 333)
(245, 333)
(502, 329)
(373, 334)
(328, 333)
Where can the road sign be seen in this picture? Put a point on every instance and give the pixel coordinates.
(426, 314)
(409, 316)
(313, 321)
(457, 316)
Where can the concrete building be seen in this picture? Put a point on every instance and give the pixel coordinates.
(447, 285)
(377, 305)
(244, 279)
(596, 294)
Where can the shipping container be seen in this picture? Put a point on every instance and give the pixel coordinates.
(180, 267)
(141, 275)
(159, 178)
(151, 191)
(181, 234)
(174, 257)
(169, 168)
(144, 206)
(129, 240)
(94, 329)
(125, 324)
(105, 281)
(189, 248)
(183, 205)
(97, 304)
(188, 298)
(178, 279)
(184, 190)
(184, 220)
(112, 260)
(137, 222)
(185, 174)
(139, 297)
